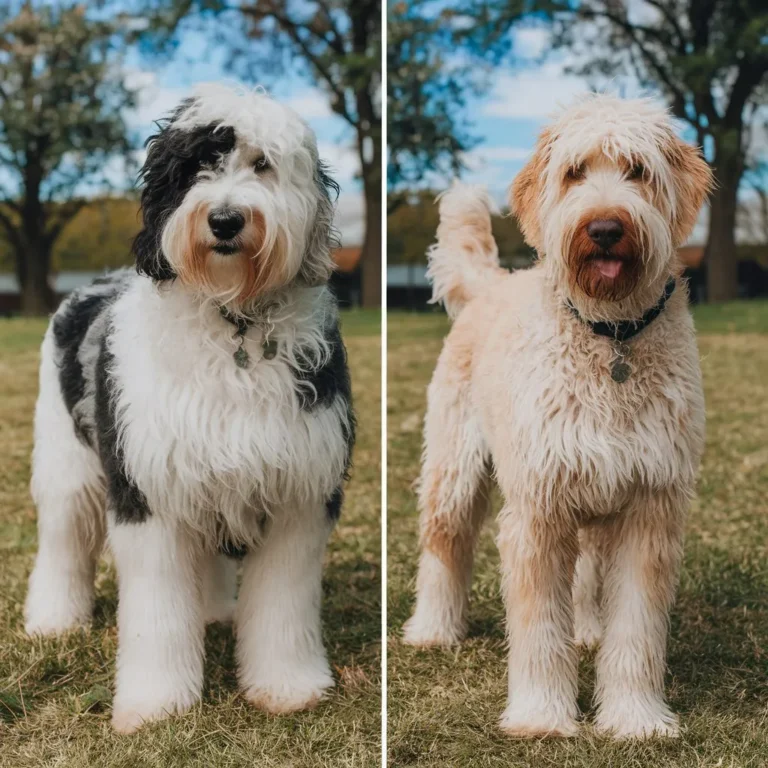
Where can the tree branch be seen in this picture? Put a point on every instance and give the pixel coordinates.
(292, 29)
(750, 76)
(651, 59)
(338, 44)
(673, 21)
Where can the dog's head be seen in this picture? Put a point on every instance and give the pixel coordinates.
(235, 202)
(608, 196)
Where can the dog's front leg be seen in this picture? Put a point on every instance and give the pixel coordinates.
(538, 557)
(282, 665)
(160, 621)
(643, 550)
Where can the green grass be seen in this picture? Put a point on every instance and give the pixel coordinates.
(732, 317)
(55, 695)
(443, 705)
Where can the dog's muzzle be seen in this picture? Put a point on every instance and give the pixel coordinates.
(225, 225)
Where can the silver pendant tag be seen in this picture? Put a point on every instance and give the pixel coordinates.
(620, 368)
(269, 349)
(620, 371)
(242, 358)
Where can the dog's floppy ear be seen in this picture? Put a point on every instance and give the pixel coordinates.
(525, 192)
(156, 176)
(317, 265)
(693, 181)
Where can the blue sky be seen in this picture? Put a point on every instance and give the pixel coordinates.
(509, 118)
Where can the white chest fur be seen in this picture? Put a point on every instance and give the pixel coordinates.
(203, 438)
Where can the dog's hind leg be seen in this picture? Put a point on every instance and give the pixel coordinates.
(68, 490)
(219, 588)
(454, 502)
(587, 585)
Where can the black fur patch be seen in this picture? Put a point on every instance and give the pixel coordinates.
(124, 498)
(329, 187)
(174, 158)
(69, 329)
(334, 504)
(331, 381)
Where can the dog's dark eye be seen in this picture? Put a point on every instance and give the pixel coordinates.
(637, 171)
(575, 173)
(262, 164)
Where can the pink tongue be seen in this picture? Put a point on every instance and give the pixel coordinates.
(609, 267)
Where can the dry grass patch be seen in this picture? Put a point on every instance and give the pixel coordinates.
(443, 705)
(55, 695)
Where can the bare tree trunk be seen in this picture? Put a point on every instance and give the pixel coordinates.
(720, 253)
(370, 258)
(369, 151)
(37, 295)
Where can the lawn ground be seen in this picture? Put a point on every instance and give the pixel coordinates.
(443, 705)
(55, 695)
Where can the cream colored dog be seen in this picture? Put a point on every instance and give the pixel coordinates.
(576, 384)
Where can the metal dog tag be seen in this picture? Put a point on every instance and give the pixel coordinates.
(620, 371)
(620, 368)
(242, 358)
(269, 349)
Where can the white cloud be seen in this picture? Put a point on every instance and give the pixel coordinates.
(153, 100)
(310, 104)
(533, 94)
(490, 166)
(530, 42)
(481, 157)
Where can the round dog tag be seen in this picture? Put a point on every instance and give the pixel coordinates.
(620, 371)
(269, 349)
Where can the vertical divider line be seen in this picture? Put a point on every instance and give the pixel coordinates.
(384, 100)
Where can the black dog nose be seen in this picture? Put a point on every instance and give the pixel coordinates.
(605, 232)
(225, 223)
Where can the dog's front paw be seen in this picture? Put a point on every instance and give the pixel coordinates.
(426, 631)
(281, 691)
(521, 720)
(636, 717)
(50, 610)
(129, 716)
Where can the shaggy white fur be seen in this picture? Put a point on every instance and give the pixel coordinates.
(592, 469)
(198, 408)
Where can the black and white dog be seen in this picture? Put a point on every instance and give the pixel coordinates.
(200, 407)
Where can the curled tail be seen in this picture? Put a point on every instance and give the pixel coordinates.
(465, 258)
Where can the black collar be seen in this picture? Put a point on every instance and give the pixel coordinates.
(626, 329)
(242, 324)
